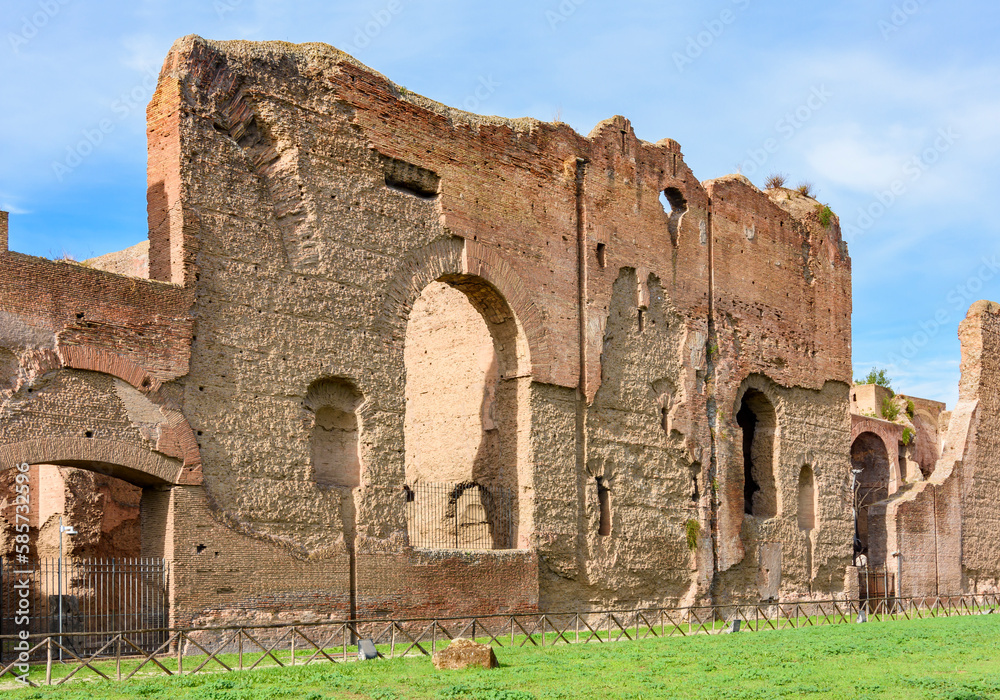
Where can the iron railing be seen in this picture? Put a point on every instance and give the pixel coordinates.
(96, 599)
(463, 515)
(223, 649)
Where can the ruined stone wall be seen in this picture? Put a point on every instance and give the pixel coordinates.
(979, 435)
(299, 207)
(131, 262)
(922, 454)
(781, 327)
(941, 531)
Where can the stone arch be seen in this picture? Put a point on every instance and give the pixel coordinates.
(492, 286)
(500, 463)
(872, 485)
(121, 460)
(147, 441)
(757, 418)
(889, 434)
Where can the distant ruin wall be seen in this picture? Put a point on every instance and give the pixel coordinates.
(979, 394)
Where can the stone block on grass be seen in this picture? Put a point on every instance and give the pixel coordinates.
(463, 653)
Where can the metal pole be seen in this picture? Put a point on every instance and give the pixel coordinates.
(59, 586)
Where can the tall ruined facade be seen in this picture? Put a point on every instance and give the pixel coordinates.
(354, 291)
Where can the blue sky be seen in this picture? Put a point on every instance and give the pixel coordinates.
(890, 108)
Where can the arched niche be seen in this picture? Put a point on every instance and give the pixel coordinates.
(334, 442)
(758, 424)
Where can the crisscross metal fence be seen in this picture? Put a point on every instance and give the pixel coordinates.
(225, 649)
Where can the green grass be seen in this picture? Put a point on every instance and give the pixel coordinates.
(944, 658)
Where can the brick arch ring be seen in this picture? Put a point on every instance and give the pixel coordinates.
(889, 433)
(503, 300)
(175, 443)
(134, 464)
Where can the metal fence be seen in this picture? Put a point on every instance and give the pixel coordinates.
(87, 600)
(465, 515)
(223, 649)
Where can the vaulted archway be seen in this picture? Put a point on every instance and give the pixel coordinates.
(466, 417)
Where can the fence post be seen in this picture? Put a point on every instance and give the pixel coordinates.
(48, 660)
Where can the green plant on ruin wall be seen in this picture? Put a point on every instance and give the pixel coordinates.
(693, 530)
(805, 189)
(878, 377)
(890, 410)
(825, 214)
(910, 409)
(908, 436)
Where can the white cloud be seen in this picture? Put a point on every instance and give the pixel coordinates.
(6, 206)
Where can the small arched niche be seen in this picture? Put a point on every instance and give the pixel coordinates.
(758, 422)
(336, 458)
(8, 369)
(807, 498)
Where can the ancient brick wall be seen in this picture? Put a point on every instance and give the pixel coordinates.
(781, 332)
(299, 206)
(974, 427)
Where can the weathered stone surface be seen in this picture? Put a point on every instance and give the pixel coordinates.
(465, 653)
(353, 289)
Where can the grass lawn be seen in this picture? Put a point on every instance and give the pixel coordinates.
(957, 658)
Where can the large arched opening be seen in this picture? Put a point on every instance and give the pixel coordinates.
(466, 416)
(871, 468)
(88, 501)
(96, 550)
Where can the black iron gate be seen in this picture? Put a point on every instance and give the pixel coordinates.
(94, 596)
